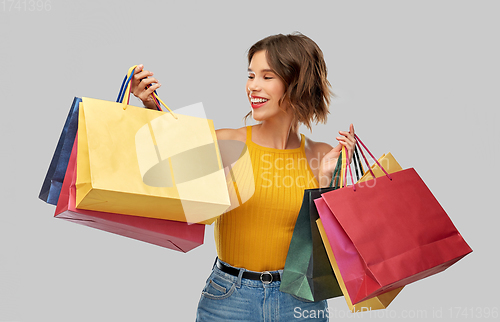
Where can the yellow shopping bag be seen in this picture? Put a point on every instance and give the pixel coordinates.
(388, 162)
(375, 303)
(148, 163)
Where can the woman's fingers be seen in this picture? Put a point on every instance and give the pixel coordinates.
(145, 95)
(142, 74)
(138, 68)
(139, 73)
(347, 134)
(147, 81)
(143, 84)
(139, 78)
(348, 140)
(149, 85)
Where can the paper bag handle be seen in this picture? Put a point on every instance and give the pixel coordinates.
(337, 173)
(125, 92)
(344, 150)
(334, 183)
(358, 164)
(358, 142)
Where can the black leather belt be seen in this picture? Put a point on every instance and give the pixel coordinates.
(265, 277)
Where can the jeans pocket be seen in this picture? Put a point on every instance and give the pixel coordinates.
(218, 288)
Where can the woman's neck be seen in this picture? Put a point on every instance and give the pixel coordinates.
(277, 134)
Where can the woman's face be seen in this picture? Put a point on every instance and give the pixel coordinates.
(264, 88)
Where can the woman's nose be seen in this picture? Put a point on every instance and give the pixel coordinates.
(253, 86)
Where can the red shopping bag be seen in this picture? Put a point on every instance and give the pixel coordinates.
(175, 235)
(388, 232)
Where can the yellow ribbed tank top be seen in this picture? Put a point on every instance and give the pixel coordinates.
(256, 235)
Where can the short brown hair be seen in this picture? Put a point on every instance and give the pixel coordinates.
(299, 62)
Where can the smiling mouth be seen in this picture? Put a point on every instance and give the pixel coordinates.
(257, 102)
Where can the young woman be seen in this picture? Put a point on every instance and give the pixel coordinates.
(287, 86)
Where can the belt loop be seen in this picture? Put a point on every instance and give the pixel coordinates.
(216, 259)
(240, 276)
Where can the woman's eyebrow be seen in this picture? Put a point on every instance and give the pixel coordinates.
(262, 71)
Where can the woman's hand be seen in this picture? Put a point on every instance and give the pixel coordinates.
(329, 161)
(139, 87)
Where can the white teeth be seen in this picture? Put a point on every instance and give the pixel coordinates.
(259, 100)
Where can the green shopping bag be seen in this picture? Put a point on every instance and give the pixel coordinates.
(308, 273)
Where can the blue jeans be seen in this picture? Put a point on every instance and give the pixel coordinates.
(232, 298)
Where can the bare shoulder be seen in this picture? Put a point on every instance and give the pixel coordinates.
(314, 148)
(232, 134)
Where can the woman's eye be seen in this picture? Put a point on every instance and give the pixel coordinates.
(250, 76)
(268, 77)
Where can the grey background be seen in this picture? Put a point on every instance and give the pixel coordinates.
(417, 78)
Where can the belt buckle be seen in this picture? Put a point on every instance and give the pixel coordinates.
(267, 273)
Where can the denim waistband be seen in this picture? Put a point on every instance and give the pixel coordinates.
(239, 280)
